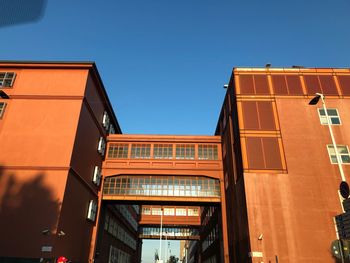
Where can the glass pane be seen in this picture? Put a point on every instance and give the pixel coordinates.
(335, 120)
(334, 159)
(342, 149)
(332, 112)
(345, 159)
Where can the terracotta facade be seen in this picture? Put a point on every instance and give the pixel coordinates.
(264, 186)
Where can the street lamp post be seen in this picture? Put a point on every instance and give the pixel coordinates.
(160, 234)
(314, 101)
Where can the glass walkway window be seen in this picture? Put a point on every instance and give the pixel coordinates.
(163, 151)
(207, 152)
(169, 231)
(162, 186)
(119, 151)
(185, 151)
(140, 151)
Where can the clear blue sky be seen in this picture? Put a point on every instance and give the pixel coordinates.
(164, 62)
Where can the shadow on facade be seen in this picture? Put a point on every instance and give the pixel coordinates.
(28, 214)
(14, 12)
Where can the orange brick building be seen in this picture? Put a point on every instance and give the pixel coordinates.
(263, 189)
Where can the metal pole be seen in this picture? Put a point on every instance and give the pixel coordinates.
(339, 164)
(166, 250)
(160, 234)
(333, 139)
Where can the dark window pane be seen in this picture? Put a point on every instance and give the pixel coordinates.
(261, 84)
(344, 82)
(312, 84)
(272, 153)
(279, 85)
(294, 85)
(266, 117)
(250, 115)
(328, 85)
(246, 84)
(255, 153)
(335, 120)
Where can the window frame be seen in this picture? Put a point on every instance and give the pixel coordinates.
(323, 118)
(2, 80)
(92, 211)
(330, 146)
(2, 109)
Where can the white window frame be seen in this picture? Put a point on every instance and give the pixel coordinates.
(333, 154)
(105, 120)
(3, 108)
(169, 211)
(111, 129)
(96, 179)
(180, 211)
(6, 77)
(101, 146)
(323, 118)
(92, 210)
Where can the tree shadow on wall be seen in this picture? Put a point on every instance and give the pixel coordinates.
(27, 209)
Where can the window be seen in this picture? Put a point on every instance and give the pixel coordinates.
(105, 120)
(207, 152)
(181, 211)
(156, 211)
(96, 179)
(101, 146)
(6, 79)
(146, 210)
(111, 129)
(193, 212)
(343, 153)
(92, 210)
(2, 108)
(169, 211)
(163, 151)
(119, 151)
(333, 116)
(185, 151)
(140, 151)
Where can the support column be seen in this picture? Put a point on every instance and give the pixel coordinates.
(226, 258)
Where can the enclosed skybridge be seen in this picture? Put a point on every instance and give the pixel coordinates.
(161, 169)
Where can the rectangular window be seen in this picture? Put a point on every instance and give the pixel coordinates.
(140, 151)
(111, 129)
(207, 152)
(343, 152)
(163, 151)
(118, 151)
(146, 210)
(333, 116)
(169, 211)
(192, 212)
(181, 211)
(2, 108)
(185, 151)
(101, 146)
(105, 120)
(156, 211)
(92, 210)
(96, 179)
(7, 79)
